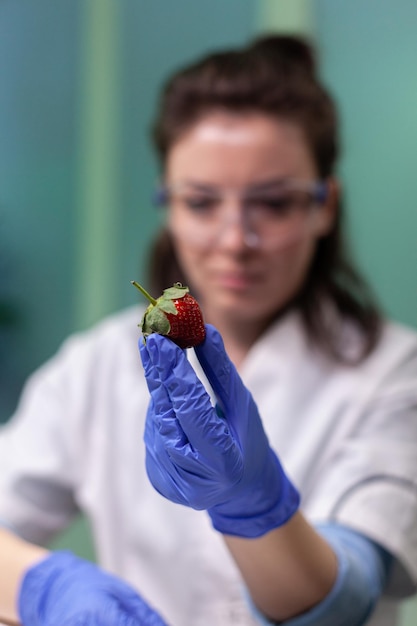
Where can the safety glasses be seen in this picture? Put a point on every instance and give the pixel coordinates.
(267, 215)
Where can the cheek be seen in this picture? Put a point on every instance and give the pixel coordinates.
(289, 269)
(190, 261)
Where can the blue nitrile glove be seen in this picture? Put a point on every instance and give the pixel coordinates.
(211, 458)
(64, 590)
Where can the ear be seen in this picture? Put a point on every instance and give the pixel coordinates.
(327, 214)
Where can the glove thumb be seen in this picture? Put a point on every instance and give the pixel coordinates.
(218, 368)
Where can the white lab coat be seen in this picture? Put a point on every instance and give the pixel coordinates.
(346, 436)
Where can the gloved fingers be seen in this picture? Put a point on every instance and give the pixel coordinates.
(163, 425)
(145, 616)
(205, 430)
(146, 362)
(184, 480)
(131, 608)
(163, 431)
(151, 373)
(66, 590)
(113, 611)
(176, 485)
(188, 480)
(219, 369)
(161, 401)
(163, 435)
(160, 467)
(181, 473)
(163, 482)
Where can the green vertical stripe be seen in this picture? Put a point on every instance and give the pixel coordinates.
(285, 16)
(97, 220)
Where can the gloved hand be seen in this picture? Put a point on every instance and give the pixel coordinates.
(64, 590)
(219, 458)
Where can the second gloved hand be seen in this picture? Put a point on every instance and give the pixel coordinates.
(64, 590)
(214, 458)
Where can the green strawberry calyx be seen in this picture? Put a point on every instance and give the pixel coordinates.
(155, 319)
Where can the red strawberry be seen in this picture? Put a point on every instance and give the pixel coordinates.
(175, 314)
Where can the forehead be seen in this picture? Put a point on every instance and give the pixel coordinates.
(235, 149)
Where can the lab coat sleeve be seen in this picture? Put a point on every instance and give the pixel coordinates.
(49, 448)
(57, 451)
(363, 568)
(37, 469)
(370, 484)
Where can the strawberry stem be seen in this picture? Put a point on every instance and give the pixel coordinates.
(144, 292)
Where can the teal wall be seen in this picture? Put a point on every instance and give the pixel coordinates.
(369, 57)
(78, 87)
(39, 45)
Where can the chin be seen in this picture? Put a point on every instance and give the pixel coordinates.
(250, 307)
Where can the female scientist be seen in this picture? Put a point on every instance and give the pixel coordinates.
(294, 425)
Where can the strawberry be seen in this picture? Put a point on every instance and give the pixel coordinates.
(176, 314)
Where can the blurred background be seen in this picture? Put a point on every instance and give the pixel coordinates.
(78, 86)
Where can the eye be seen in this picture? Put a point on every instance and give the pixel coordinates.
(276, 206)
(281, 205)
(200, 204)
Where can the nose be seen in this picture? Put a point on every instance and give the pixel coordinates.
(235, 231)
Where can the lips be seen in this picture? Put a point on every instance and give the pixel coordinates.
(236, 280)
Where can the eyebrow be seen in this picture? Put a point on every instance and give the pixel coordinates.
(270, 184)
(199, 186)
(255, 187)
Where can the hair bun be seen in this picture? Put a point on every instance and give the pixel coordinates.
(292, 51)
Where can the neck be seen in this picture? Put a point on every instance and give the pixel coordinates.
(239, 335)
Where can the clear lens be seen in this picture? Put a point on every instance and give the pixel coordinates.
(267, 219)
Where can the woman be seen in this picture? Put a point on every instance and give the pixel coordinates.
(308, 478)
